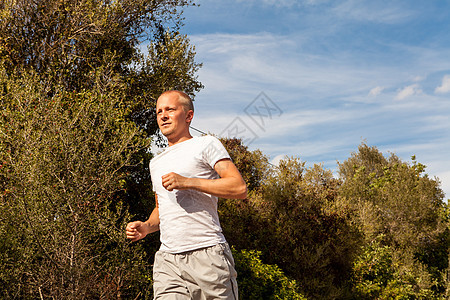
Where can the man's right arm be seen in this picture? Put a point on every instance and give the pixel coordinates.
(138, 230)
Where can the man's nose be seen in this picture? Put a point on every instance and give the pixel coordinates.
(164, 115)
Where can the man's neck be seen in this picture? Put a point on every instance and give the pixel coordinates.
(177, 140)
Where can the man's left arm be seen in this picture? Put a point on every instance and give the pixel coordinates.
(229, 185)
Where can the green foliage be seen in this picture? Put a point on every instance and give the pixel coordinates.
(257, 280)
(392, 198)
(77, 99)
(373, 270)
(240, 220)
(76, 94)
(252, 165)
(169, 65)
(398, 203)
(79, 44)
(290, 216)
(304, 234)
(65, 40)
(62, 160)
(379, 275)
(378, 233)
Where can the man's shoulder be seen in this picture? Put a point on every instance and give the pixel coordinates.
(207, 139)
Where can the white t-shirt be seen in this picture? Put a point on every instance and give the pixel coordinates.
(188, 218)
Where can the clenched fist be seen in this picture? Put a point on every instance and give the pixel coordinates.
(172, 181)
(137, 230)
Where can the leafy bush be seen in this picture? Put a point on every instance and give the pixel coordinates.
(380, 274)
(62, 157)
(257, 280)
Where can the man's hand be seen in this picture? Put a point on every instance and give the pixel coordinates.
(137, 230)
(229, 185)
(172, 181)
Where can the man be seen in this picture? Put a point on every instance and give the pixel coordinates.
(194, 260)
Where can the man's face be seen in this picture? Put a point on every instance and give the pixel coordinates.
(173, 120)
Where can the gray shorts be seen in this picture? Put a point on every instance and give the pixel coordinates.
(206, 273)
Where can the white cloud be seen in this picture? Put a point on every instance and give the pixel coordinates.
(427, 152)
(283, 3)
(276, 160)
(376, 91)
(324, 97)
(408, 91)
(372, 11)
(277, 127)
(444, 178)
(445, 86)
(418, 78)
(265, 59)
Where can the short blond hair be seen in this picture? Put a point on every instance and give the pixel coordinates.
(184, 99)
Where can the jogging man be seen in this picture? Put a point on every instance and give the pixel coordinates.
(194, 260)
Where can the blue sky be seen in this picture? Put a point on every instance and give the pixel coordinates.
(315, 78)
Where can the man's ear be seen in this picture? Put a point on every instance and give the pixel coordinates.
(189, 116)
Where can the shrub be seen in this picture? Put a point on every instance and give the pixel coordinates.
(257, 280)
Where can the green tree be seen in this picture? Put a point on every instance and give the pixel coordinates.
(240, 220)
(380, 273)
(243, 226)
(305, 235)
(393, 198)
(400, 203)
(257, 280)
(290, 217)
(253, 165)
(67, 40)
(76, 94)
(62, 159)
(79, 44)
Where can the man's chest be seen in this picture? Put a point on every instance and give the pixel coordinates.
(188, 164)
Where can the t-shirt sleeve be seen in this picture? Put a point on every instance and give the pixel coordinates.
(214, 151)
